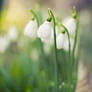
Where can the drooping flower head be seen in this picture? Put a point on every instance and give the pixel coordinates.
(44, 31)
(70, 24)
(60, 41)
(31, 29)
(12, 34)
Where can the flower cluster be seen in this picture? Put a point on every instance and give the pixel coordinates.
(31, 29)
(63, 34)
(45, 32)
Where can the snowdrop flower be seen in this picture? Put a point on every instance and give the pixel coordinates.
(31, 29)
(51, 39)
(60, 41)
(4, 43)
(12, 34)
(44, 31)
(70, 24)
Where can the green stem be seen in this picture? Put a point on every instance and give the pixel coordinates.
(41, 44)
(74, 64)
(68, 40)
(35, 17)
(55, 46)
(76, 67)
(69, 63)
(75, 41)
(74, 47)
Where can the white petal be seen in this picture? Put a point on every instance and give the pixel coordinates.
(48, 41)
(60, 41)
(31, 29)
(70, 24)
(12, 34)
(4, 43)
(44, 31)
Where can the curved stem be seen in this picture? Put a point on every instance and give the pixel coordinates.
(76, 67)
(76, 17)
(68, 40)
(56, 61)
(70, 63)
(35, 17)
(73, 54)
(38, 23)
(75, 40)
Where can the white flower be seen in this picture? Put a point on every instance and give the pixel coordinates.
(51, 39)
(4, 43)
(31, 29)
(12, 34)
(60, 41)
(44, 31)
(82, 72)
(70, 24)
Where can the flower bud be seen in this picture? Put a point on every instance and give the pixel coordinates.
(70, 24)
(31, 29)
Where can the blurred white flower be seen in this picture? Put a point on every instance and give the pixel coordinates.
(31, 29)
(82, 73)
(12, 34)
(4, 43)
(44, 31)
(70, 24)
(60, 41)
(48, 41)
